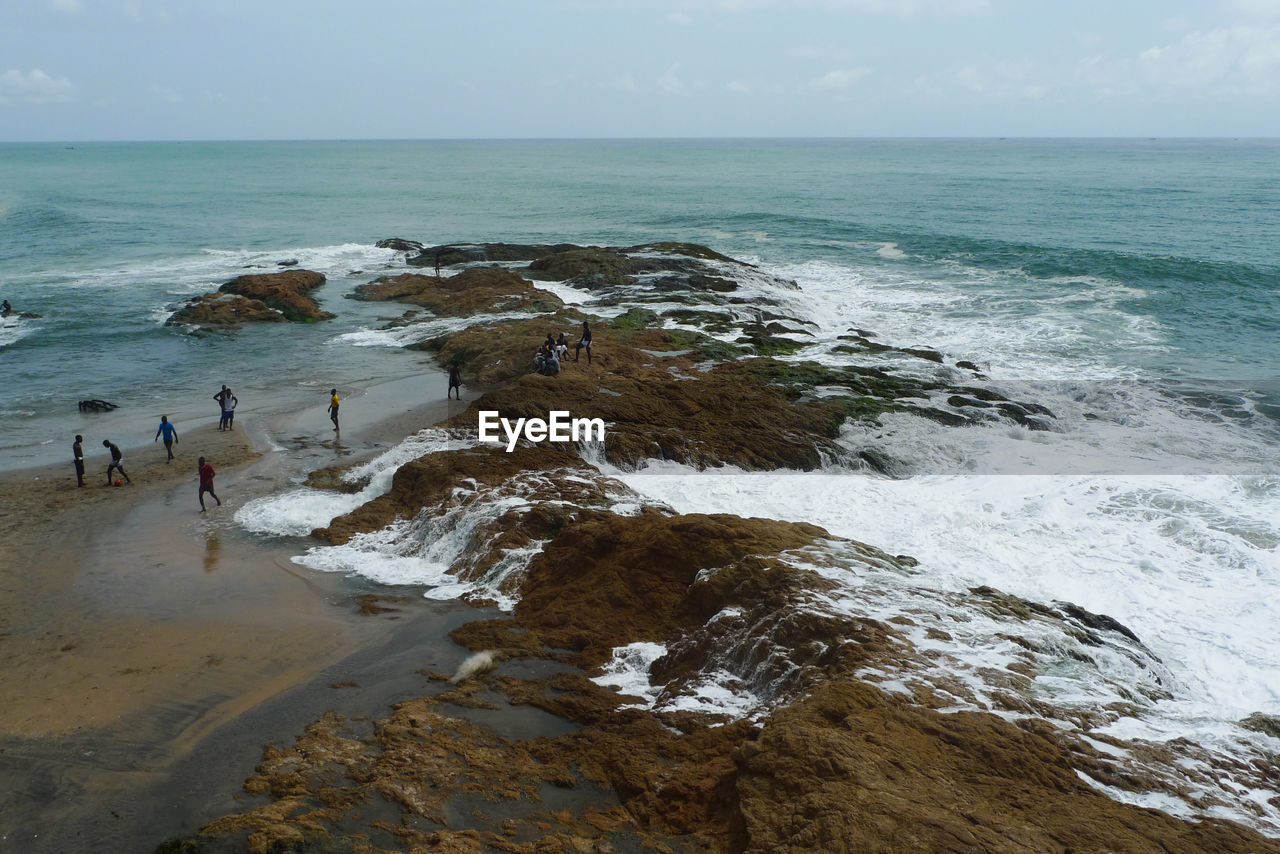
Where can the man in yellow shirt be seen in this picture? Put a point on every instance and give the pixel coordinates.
(333, 408)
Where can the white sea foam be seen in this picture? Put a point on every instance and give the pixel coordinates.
(975, 315)
(420, 330)
(431, 548)
(14, 329)
(1190, 564)
(299, 511)
(628, 671)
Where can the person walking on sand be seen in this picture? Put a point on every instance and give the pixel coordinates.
(583, 341)
(77, 457)
(117, 461)
(170, 434)
(206, 482)
(455, 382)
(333, 408)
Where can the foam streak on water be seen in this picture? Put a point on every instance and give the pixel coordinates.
(299, 511)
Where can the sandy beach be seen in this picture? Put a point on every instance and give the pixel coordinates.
(133, 626)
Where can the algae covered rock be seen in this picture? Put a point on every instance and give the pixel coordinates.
(472, 291)
(223, 310)
(287, 292)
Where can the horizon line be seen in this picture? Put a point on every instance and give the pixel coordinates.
(1002, 137)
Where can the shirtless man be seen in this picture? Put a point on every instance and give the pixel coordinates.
(77, 457)
(117, 461)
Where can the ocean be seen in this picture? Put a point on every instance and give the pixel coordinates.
(1132, 286)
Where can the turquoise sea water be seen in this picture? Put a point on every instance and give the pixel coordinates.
(1142, 259)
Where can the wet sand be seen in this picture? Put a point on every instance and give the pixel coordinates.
(136, 631)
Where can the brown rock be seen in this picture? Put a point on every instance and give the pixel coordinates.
(479, 289)
(610, 580)
(287, 292)
(216, 309)
(848, 768)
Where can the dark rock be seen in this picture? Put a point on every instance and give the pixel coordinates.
(96, 406)
(399, 244)
(1100, 622)
(968, 366)
(930, 355)
(1259, 722)
(958, 401)
(587, 267)
(292, 262)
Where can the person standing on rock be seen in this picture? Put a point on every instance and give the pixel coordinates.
(333, 408)
(583, 341)
(206, 482)
(117, 461)
(455, 382)
(170, 434)
(77, 457)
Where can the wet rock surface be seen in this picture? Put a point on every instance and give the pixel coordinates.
(287, 292)
(473, 291)
(224, 310)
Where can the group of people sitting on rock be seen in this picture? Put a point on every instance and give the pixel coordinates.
(555, 352)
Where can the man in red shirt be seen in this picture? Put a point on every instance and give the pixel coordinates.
(206, 482)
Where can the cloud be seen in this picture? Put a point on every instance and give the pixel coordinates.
(838, 80)
(34, 87)
(738, 87)
(998, 80)
(164, 93)
(679, 18)
(1257, 8)
(73, 7)
(1229, 60)
(670, 81)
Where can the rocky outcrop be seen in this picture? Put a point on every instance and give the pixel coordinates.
(846, 664)
(399, 244)
(472, 291)
(842, 766)
(223, 310)
(848, 768)
(483, 253)
(287, 292)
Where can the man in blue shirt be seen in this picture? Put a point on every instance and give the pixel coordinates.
(170, 434)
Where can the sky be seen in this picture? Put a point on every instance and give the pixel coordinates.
(74, 70)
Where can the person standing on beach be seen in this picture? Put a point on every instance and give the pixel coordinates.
(221, 397)
(229, 409)
(206, 482)
(77, 457)
(333, 408)
(170, 435)
(117, 461)
(584, 341)
(455, 382)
